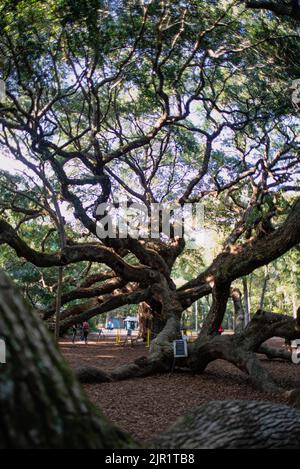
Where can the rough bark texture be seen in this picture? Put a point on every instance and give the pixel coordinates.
(42, 405)
(233, 425)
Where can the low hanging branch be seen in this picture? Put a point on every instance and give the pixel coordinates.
(279, 7)
(92, 292)
(73, 254)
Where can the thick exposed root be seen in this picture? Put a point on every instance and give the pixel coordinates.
(143, 366)
(91, 375)
(224, 348)
(241, 349)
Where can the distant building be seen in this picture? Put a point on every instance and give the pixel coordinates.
(130, 323)
(115, 323)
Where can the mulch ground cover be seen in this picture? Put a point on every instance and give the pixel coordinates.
(147, 406)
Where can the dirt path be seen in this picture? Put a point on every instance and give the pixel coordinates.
(144, 407)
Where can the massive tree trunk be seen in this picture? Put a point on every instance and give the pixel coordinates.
(239, 349)
(42, 404)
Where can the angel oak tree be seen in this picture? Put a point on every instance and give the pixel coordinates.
(158, 102)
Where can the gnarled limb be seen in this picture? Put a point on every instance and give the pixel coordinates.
(102, 305)
(240, 349)
(79, 293)
(223, 347)
(94, 252)
(265, 325)
(240, 260)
